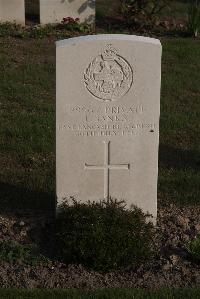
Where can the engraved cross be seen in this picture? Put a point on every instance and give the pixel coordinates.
(107, 167)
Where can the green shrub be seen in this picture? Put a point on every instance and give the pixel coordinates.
(103, 236)
(194, 18)
(7, 29)
(194, 248)
(142, 12)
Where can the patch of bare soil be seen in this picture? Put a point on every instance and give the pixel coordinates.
(171, 265)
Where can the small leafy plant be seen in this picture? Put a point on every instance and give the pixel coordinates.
(142, 12)
(194, 18)
(103, 236)
(7, 29)
(74, 24)
(14, 252)
(194, 248)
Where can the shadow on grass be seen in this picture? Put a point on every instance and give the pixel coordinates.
(16, 198)
(178, 159)
(19, 201)
(179, 176)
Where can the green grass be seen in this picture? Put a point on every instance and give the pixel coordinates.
(193, 248)
(179, 174)
(27, 122)
(101, 294)
(27, 112)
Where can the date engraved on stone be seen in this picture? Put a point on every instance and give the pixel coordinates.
(109, 76)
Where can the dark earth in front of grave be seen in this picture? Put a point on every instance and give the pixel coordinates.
(170, 267)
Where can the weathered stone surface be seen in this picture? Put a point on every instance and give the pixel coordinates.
(108, 104)
(53, 11)
(12, 11)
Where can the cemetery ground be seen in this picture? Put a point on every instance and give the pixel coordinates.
(27, 177)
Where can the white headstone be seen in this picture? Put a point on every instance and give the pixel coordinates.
(12, 11)
(108, 105)
(53, 11)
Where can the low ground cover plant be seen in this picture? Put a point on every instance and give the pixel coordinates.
(103, 236)
(194, 18)
(14, 252)
(67, 28)
(194, 249)
(74, 24)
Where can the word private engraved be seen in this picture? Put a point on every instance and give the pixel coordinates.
(109, 76)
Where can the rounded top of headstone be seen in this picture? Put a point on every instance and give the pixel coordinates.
(99, 37)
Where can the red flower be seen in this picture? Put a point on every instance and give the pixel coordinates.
(69, 20)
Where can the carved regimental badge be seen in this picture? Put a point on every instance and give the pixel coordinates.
(109, 76)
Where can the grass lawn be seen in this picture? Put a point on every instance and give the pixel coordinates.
(179, 161)
(103, 294)
(27, 130)
(27, 97)
(27, 111)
